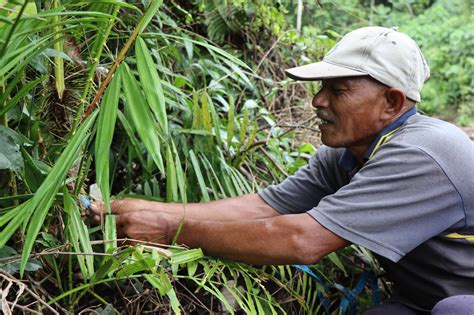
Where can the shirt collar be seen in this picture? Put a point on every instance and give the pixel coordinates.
(348, 160)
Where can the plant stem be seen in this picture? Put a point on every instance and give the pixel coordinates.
(98, 297)
(95, 102)
(70, 273)
(98, 47)
(58, 61)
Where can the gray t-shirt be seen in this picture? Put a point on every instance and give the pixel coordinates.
(412, 204)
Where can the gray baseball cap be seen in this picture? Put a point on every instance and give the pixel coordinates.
(385, 54)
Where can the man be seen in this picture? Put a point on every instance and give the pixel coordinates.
(387, 178)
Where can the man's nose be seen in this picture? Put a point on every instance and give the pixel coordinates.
(320, 100)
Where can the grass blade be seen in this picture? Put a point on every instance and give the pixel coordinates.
(79, 235)
(24, 90)
(131, 136)
(186, 256)
(44, 197)
(110, 234)
(149, 14)
(211, 48)
(104, 134)
(141, 116)
(171, 177)
(58, 61)
(180, 176)
(200, 178)
(151, 83)
(163, 284)
(230, 123)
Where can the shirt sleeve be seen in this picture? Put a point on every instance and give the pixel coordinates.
(398, 200)
(303, 190)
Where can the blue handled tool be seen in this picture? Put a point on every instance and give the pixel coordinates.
(85, 202)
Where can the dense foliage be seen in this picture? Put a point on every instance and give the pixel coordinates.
(181, 102)
(443, 29)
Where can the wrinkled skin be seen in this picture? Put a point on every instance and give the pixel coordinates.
(138, 219)
(353, 111)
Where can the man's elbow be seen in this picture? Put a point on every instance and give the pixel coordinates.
(310, 249)
(306, 253)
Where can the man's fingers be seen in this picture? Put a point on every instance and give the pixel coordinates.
(119, 206)
(96, 218)
(120, 224)
(120, 220)
(98, 206)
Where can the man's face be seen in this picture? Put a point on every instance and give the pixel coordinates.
(350, 110)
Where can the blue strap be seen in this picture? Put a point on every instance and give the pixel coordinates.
(349, 299)
(376, 294)
(350, 296)
(324, 300)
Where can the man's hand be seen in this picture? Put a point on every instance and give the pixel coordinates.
(122, 205)
(148, 226)
(137, 223)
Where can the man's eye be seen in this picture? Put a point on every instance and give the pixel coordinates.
(337, 90)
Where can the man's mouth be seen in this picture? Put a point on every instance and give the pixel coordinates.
(325, 121)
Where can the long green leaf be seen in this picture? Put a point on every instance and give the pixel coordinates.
(171, 177)
(18, 96)
(141, 116)
(104, 134)
(163, 284)
(131, 137)
(215, 121)
(58, 61)
(210, 169)
(151, 83)
(14, 217)
(200, 178)
(110, 234)
(149, 14)
(44, 197)
(180, 176)
(186, 256)
(79, 235)
(212, 48)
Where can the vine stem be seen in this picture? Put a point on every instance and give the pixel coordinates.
(121, 56)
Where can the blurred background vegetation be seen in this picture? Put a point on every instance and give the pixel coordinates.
(443, 29)
(193, 105)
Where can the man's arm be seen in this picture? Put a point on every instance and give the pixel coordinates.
(286, 239)
(283, 239)
(245, 207)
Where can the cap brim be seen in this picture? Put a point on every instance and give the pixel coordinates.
(321, 70)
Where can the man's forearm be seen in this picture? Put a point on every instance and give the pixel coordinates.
(285, 239)
(244, 207)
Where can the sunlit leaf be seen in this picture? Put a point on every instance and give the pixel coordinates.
(151, 83)
(104, 134)
(141, 116)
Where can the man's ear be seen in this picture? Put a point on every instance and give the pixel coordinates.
(394, 103)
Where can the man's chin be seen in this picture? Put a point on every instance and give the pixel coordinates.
(330, 142)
